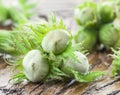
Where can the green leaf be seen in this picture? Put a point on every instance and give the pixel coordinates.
(116, 62)
(20, 18)
(86, 14)
(42, 28)
(88, 3)
(89, 77)
(55, 72)
(3, 12)
(17, 78)
(23, 11)
(69, 52)
(5, 42)
(26, 41)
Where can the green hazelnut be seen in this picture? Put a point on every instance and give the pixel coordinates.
(108, 35)
(106, 12)
(56, 41)
(35, 66)
(86, 14)
(81, 66)
(87, 38)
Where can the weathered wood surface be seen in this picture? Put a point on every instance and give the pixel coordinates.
(98, 60)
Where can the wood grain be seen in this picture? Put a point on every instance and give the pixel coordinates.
(105, 86)
(98, 60)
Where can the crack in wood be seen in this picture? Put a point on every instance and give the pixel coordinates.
(44, 89)
(47, 85)
(110, 83)
(88, 89)
(94, 89)
(13, 90)
(23, 88)
(36, 87)
(95, 64)
(66, 87)
(114, 92)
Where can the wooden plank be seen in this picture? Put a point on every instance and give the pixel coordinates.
(106, 85)
(98, 60)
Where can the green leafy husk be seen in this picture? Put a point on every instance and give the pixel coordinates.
(16, 42)
(57, 73)
(23, 11)
(19, 13)
(117, 2)
(89, 77)
(18, 19)
(86, 14)
(116, 24)
(87, 37)
(3, 13)
(106, 11)
(26, 41)
(116, 62)
(109, 35)
(24, 44)
(19, 77)
(5, 42)
(26, 7)
(40, 30)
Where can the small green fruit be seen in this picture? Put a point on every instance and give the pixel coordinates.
(86, 17)
(87, 38)
(86, 14)
(35, 66)
(82, 65)
(56, 41)
(108, 35)
(106, 12)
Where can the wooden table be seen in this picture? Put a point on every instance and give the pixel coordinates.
(98, 60)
